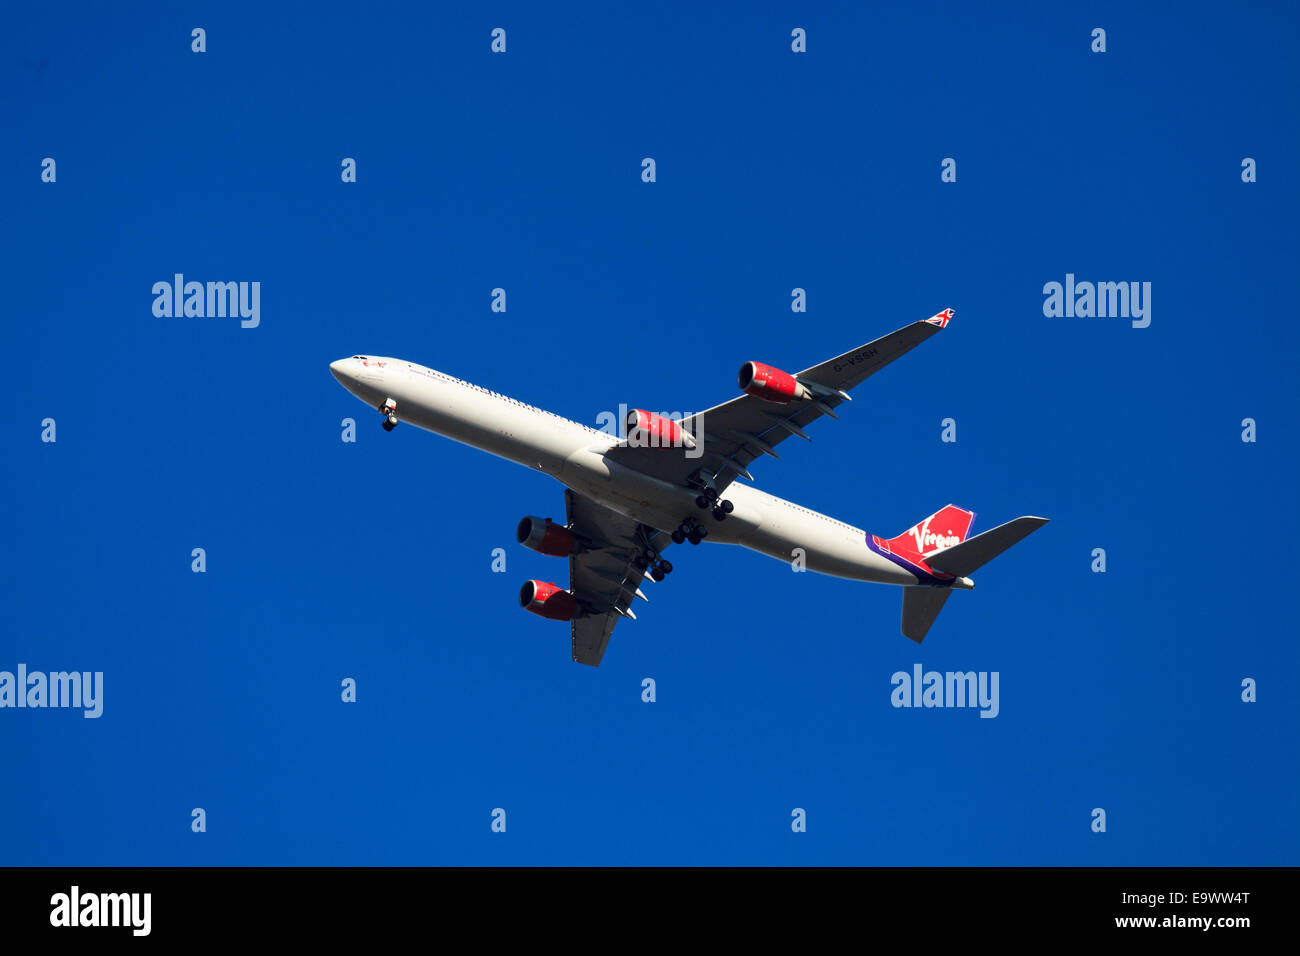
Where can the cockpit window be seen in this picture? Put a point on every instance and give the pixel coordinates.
(362, 357)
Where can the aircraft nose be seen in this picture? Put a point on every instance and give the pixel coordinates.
(339, 370)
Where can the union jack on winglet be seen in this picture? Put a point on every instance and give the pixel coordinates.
(942, 319)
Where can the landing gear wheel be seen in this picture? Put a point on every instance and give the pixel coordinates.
(678, 536)
(702, 502)
(390, 423)
(719, 513)
(695, 537)
(640, 562)
(728, 507)
(701, 532)
(666, 567)
(657, 574)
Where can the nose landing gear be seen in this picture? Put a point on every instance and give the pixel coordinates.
(389, 411)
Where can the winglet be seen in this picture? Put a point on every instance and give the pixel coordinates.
(942, 319)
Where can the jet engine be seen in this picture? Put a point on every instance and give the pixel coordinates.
(770, 384)
(548, 600)
(545, 536)
(647, 428)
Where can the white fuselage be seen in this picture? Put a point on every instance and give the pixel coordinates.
(574, 455)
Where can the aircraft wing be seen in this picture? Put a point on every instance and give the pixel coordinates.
(602, 576)
(741, 430)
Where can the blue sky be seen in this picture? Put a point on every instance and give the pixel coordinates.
(775, 170)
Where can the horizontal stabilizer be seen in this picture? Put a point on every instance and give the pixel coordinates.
(973, 553)
(920, 607)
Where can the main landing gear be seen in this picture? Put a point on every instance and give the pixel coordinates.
(658, 567)
(389, 411)
(708, 499)
(690, 530)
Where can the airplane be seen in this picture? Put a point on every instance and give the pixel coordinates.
(629, 497)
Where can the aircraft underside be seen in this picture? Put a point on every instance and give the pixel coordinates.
(667, 481)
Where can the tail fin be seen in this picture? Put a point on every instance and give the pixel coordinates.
(946, 527)
(921, 605)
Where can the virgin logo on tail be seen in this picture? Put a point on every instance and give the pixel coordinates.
(946, 527)
(927, 540)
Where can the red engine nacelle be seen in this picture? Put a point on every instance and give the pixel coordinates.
(548, 600)
(770, 384)
(544, 535)
(647, 428)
